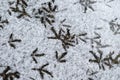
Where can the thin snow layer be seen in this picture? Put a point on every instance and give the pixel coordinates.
(34, 35)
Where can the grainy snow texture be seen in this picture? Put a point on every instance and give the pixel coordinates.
(59, 39)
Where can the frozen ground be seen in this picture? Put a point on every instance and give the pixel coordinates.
(99, 25)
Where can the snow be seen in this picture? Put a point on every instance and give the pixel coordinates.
(34, 35)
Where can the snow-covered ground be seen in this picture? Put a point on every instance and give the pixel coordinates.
(26, 44)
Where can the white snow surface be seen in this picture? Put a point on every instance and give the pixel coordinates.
(34, 35)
